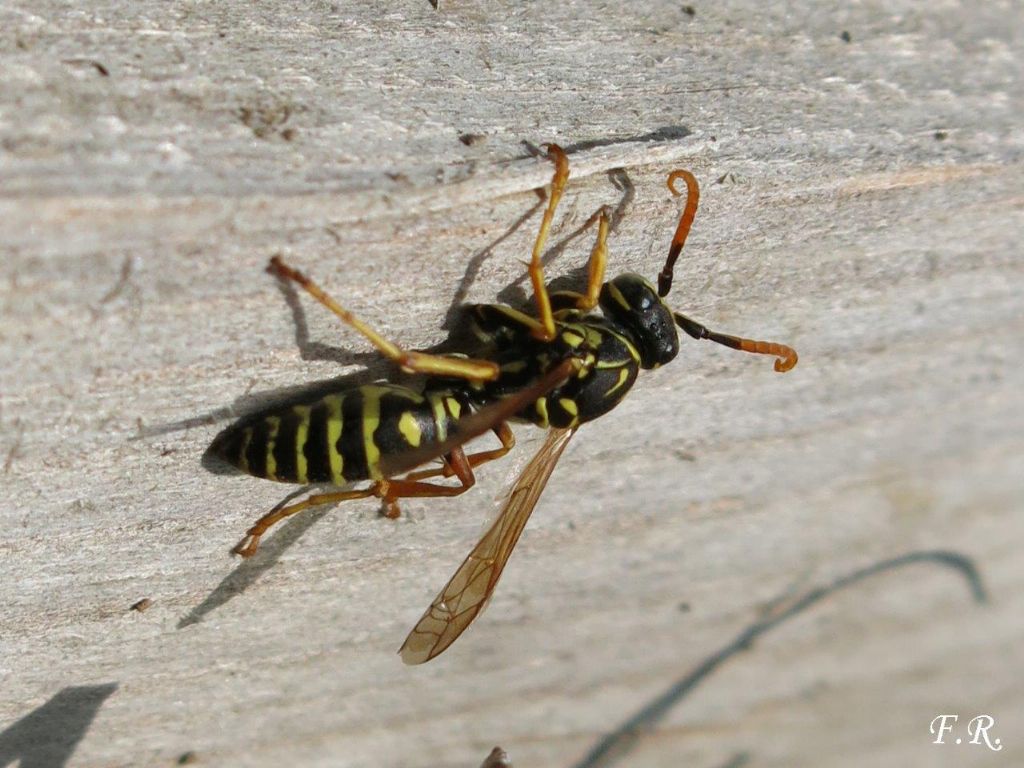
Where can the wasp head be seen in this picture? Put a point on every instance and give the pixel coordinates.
(634, 304)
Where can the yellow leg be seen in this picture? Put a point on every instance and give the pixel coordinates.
(411, 361)
(598, 262)
(595, 266)
(545, 329)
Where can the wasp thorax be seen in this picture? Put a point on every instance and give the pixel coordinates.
(633, 303)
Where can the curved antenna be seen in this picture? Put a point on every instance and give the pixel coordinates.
(786, 357)
(685, 222)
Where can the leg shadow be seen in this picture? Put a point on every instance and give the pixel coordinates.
(250, 570)
(47, 736)
(615, 745)
(453, 315)
(664, 134)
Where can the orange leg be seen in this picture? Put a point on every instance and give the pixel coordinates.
(387, 490)
(508, 441)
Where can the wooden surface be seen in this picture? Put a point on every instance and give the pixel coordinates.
(862, 199)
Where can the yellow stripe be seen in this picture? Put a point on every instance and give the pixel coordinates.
(301, 433)
(623, 375)
(333, 435)
(571, 338)
(616, 294)
(541, 407)
(454, 407)
(410, 429)
(440, 417)
(274, 423)
(569, 406)
(371, 420)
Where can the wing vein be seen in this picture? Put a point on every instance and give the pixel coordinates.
(467, 592)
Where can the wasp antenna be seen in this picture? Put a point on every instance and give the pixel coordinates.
(685, 222)
(556, 154)
(786, 356)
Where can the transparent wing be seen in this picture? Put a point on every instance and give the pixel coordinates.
(465, 595)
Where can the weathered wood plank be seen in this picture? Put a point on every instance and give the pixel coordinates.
(862, 199)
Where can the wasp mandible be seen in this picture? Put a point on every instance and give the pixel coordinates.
(559, 368)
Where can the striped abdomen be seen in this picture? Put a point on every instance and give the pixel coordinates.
(339, 438)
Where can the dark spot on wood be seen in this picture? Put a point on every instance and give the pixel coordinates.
(142, 605)
(845, 36)
(104, 72)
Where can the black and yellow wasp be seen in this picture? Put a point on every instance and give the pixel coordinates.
(558, 370)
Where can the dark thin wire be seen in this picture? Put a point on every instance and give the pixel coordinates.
(615, 745)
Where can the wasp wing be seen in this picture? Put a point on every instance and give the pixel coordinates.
(469, 589)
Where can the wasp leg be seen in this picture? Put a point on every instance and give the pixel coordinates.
(545, 328)
(595, 268)
(391, 490)
(596, 265)
(787, 356)
(387, 490)
(247, 546)
(508, 441)
(411, 361)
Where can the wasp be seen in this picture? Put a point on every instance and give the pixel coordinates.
(557, 368)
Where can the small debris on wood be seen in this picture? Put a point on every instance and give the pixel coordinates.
(689, 10)
(472, 139)
(845, 36)
(188, 758)
(89, 62)
(142, 605)
(127, 267)
(15, 449)
(497, 759)
(267, 117)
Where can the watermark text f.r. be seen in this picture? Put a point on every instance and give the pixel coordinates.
(977, 729)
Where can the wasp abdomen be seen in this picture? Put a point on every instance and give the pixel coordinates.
(339, 438)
